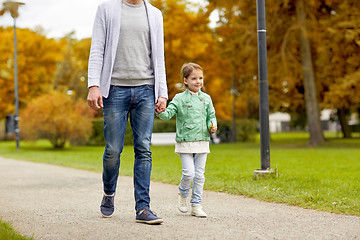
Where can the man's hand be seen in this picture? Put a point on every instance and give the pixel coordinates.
(94, 98)
(160, 105)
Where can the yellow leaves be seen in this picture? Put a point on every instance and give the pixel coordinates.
(331, 30)
(220, 97)
(4, 73)
(36, 60)
(57, 117)
(187, 38)
(347, 24)
(345, 91)
(350, 35)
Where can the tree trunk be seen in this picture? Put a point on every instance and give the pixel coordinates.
(345, 128)
(311, 100)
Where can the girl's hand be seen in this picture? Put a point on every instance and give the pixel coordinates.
(213, 128)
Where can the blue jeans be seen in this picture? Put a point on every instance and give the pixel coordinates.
(138, 103)
(193, 169)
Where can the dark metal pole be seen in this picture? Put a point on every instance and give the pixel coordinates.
(233, 93)
(263, 86)
(17, 131)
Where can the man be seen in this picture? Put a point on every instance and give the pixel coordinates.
(126, 77)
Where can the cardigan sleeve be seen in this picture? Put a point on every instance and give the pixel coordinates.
(96, 57)
(163, 91)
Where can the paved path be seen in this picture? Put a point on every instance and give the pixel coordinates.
(52, 202)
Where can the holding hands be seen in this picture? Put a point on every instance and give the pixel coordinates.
(160, 105)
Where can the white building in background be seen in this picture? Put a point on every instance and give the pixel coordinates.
(325, 120)
(277, 120)
(280, 122)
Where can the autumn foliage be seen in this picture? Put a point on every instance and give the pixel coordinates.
(227, 51)
(58, 118)
(37, 57)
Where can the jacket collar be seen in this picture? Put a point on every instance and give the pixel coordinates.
(187, 91)
(188, 95)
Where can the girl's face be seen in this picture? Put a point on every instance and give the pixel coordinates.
(195, 80)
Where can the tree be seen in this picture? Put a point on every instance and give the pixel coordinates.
(333, 32)
(328, 39)
(71, 73)
(235, 36)
(188, 38)
(338, 55)
(56, 117)
(311, 93)
(37, 57)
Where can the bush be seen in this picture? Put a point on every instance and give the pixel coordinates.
(58, 118)
(164, 126)
(2, 130)
(245, 130)
(97, 136)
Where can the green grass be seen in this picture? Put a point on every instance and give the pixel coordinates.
(325, 178)
(8, 233)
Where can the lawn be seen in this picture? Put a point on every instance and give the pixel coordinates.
(8, 233)
(325, 178)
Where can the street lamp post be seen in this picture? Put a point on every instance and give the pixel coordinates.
(263, 92)
(13, 8)
(233, 93)
(17, 130)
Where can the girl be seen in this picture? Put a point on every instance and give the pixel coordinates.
(195, 122)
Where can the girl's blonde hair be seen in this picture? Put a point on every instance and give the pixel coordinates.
(187, 69)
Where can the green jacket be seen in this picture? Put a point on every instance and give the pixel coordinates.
(194, 115)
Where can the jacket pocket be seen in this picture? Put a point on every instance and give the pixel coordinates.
(182, 127)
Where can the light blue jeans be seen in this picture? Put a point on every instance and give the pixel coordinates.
(193, 169)
(138, 103)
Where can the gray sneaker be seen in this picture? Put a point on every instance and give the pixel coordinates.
(107, 206)
(147, 216)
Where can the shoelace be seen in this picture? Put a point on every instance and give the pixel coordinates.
(183, 202)
(108, 201)
(149, 211)
(154, 213)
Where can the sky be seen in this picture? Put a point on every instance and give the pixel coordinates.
(56, 17)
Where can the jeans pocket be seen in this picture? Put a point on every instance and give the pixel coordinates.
(150, 87)
(111, 89)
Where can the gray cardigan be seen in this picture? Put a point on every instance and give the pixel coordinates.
(104, 43)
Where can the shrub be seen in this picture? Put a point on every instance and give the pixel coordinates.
(97, 136)
(245, 130)
(2, 130)
(58, 118)
(164, 126)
